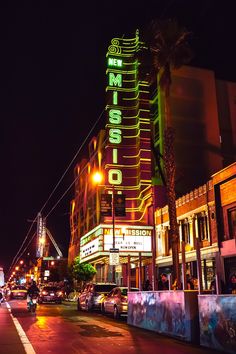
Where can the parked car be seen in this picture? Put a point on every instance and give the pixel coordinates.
(116, 302)
(50, 294)
(18, 292)
(92, 295)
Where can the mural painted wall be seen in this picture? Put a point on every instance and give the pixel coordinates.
(217, 316)
(169, 312)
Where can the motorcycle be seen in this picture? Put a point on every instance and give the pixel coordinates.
(32, 303)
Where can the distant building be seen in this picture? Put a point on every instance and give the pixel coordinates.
(50, 269)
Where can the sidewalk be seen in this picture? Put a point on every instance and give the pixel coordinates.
(10, 342)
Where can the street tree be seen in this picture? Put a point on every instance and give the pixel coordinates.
(82, 272)
(167, 48)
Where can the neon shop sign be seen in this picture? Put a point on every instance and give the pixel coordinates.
(115, 118)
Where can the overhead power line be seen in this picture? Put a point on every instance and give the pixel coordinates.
(77, 153)
(20, 252)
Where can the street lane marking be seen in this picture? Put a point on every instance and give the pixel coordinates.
(23, 337)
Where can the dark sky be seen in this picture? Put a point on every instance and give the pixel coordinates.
(52, 82)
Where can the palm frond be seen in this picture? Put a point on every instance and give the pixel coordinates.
(168, 47)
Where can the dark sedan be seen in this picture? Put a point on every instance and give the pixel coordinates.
(50, 294)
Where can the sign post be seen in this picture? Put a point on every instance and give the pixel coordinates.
(114, 258)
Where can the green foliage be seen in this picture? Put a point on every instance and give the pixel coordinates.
(167, 48)
(82, 272)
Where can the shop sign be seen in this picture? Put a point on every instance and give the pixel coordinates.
(128, 232)
(119, 205)
(114, 258)
(89, 248)
(106, 205)
(128, 243)
(115, 81)
(119, 268)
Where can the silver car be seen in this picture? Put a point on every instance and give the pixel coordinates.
(93, 295)
(116, 302)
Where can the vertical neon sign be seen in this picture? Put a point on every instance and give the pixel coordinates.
(115, 119)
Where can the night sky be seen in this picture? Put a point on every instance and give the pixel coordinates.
(52, 85)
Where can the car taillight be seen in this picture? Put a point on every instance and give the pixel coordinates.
(59, 293)
(44, 292)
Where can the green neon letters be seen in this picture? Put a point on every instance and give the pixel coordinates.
(115, 136)
(115, 98)
(115, 80)
(114, 156)
(115, 176)
(115, 62)
(115, 118)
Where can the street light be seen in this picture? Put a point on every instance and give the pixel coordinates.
(97, 179)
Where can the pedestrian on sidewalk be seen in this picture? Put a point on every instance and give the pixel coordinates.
(147, 286)
(190, 283)
(163, 283)
(231, 288)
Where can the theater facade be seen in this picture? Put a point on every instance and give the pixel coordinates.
(122, 152)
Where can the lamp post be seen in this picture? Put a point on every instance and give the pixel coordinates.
(113, 230)
(113, 215)
(97, 179)
(154, 279)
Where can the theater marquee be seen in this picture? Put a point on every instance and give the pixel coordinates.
(129, 243)
(130, 239)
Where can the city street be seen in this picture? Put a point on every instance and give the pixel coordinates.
(62, 329)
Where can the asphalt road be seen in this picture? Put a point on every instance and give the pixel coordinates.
(61, 329)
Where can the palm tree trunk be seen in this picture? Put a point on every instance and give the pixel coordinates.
(170, 167)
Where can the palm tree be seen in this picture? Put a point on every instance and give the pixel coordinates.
(167, 46)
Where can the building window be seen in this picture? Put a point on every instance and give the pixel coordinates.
(202, 227)
(229, 220)
(185, 231)
(232, 223)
